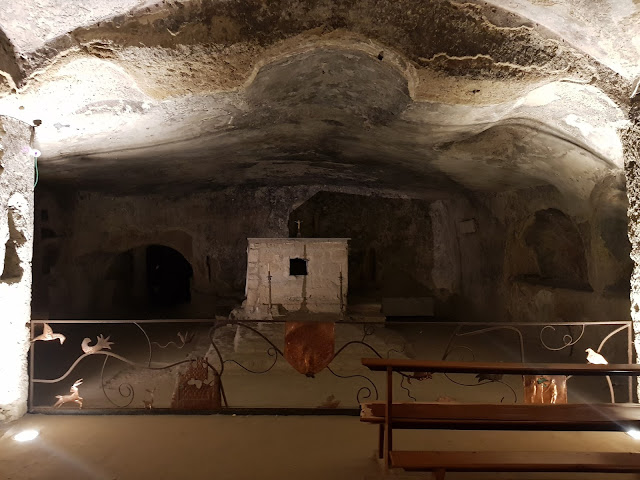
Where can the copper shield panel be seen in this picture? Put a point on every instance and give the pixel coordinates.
(308, 346)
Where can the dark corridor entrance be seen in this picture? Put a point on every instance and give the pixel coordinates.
(168, 277)
(151, 281)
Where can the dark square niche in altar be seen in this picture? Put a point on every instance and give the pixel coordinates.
(297, 266)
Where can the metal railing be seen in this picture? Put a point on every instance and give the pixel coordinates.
(205, 365)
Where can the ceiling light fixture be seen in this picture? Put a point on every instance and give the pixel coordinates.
(32, 151)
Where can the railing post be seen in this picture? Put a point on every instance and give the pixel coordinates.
(387, 418)
(31, 365)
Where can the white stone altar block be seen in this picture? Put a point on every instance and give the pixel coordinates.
(308, 274)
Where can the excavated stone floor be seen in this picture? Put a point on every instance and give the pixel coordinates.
(258, 447)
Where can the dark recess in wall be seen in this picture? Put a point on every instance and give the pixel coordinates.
(168, 276)
(13, 270)
(559, 251)
(148, 281)
(391, 246)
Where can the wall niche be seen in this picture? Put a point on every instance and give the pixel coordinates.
(559, 252)
(12, 267)
(147, 280)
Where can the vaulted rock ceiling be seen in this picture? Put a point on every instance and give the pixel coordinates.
(423, 97)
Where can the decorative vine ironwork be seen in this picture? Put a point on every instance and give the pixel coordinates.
(217, 358)
(567, 339)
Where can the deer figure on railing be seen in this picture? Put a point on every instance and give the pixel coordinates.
(74, 396)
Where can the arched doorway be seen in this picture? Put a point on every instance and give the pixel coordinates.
(168, 277)
(152, 280)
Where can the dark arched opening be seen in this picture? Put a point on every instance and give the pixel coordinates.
(558, 249)
(152, 280)
(168, 276)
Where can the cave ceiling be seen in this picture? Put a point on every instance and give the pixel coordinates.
(426, 97)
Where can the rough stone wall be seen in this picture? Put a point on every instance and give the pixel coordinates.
(631, 144)
(79, 236)
(404, 247)
(16, 246)
(481, 246)
(597, 232)
(390, 251)
(476, 257)
(445, 35)
(85, 232)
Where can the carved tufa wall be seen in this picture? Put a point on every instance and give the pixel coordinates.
(16, 246)
(631, 143)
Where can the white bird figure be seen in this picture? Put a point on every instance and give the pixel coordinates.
(595, 357)
(47, 335)
(100, 344)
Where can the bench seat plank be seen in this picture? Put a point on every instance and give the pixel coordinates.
(600, 462)
(441, 366)
(565, 417)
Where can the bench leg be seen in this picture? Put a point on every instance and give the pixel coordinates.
(387, 419)
(439, 474)
(381, 441)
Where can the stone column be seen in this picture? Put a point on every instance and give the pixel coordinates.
(16, 249)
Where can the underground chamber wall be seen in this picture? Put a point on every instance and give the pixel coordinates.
(153, 280)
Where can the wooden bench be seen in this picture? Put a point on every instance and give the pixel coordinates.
(525, 417)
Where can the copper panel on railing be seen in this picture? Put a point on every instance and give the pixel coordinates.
(308, 346)
(547, 389)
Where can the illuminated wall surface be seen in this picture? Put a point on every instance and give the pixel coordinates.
(16, 246)
(631, 141)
